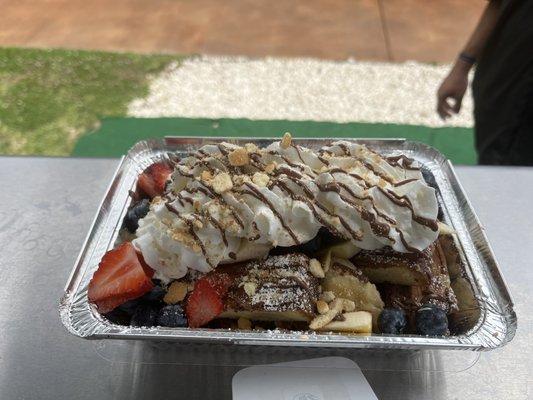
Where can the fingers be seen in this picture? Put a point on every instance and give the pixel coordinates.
(457, 104)
(444, 108)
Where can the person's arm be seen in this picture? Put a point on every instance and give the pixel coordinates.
(454, 85)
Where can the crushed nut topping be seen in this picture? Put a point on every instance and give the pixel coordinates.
(316, 268)
(251, 148)
(176, 292)
(260, 179)
(206, 175)
(335, 308)
(286, 141)
(269, 168)
(250, 288)
(222, 182)
(239, 157)
(322, 307)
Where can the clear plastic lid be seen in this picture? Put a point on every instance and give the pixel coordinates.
(168, 353)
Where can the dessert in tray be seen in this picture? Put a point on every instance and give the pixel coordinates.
(340, 239)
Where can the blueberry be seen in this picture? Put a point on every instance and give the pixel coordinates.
(311, 247)
(172, 316)
(129, 307)
(322, 239)
(431, 320)
(155, 295)
(144, 315)
(392, 321)
(135, 213)
(118, 316)
(429, 177)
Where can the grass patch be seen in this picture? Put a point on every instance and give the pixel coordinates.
(48, 98)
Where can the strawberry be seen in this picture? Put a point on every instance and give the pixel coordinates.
(120, 277)
(153, 179)
(147, 269)
(206, 299)
(219, 281)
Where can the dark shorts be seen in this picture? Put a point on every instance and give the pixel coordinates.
(512, 145)
(503, 90)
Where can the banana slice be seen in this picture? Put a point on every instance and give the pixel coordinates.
(348, 282)
(445, 229)
(355, 322)
(344, 250)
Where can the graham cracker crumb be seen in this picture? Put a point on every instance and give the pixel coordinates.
(206, 175)
(286, 141)
(260, 179)
(222, 183)
(176, 292)
(270, 167)
(239, 157)
(251, 148)
(250, 288)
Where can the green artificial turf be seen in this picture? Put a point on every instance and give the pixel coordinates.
(116, 135)
(50, 97)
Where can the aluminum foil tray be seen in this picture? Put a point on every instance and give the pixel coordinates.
(488, 318)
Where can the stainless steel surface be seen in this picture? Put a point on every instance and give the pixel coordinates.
(46, 208)
(495, 327)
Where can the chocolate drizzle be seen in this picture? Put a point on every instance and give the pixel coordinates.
(218, 225)
(260, 196)
(297, 148)
(192, 232)
(407, 163)
(214, 195)
(353, 194)
(403, 201)
(298, 180)
(404, 182)
(377, 227)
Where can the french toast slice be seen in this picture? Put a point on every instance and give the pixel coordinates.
(409, 269)
(279, 288)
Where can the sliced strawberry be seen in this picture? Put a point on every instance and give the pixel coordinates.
(147, 269)
(206, 299)
(120, 277)
(203, 305)
(153, 179)
(219, 281)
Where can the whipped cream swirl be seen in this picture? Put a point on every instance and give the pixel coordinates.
(227, 203)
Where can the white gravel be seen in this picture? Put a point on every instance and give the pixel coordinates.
(299, 89)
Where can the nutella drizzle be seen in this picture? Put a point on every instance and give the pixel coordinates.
(190, 225)
(377, 227)
(214, 195)
(406, 162)
(295, 173)
(261, 197)
(403, 201)
(297, 148)
(218, 225)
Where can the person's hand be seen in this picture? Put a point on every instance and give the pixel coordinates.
(451, 92)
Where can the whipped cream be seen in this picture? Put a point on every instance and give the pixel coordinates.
(227, 203)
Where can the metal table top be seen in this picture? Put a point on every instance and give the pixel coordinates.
(46, 208)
